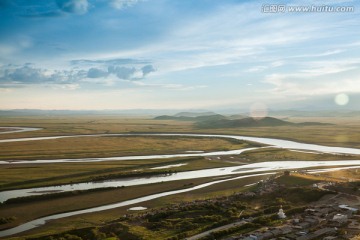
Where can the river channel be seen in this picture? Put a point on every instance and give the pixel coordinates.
(249, 170)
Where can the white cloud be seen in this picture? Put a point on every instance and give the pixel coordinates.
(28, 74)
(71, 87)
(121, 4)
(97, 73)
(285, 85)
(257, 69)
(314, 55)
(233, 34)
(169, 86)
(230, 49)
(73, 6)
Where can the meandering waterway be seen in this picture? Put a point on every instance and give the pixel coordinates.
(276, 143)
(249, 170)
(213, 172)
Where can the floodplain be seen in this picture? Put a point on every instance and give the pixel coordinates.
(338, 133)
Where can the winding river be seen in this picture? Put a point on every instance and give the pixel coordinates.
(41, 221)
(17, 129)
(276, 143)
(213, 172)
(249, 170)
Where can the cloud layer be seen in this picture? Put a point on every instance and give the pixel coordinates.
(121, 4)
(73, 6)
(28, 74)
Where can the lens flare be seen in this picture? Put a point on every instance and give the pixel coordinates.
(341, 99)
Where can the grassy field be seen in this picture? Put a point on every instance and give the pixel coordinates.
(68, 125)
(27, 211)
(297, 180)
(26, 176)
(221, 189)
(275, 154)
(344, 133)
(88, 147)
(136, 226)
(341, 175)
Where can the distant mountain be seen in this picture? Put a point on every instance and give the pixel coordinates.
(245, 122)
(194, 114)
(214, 117)
(250, 122)
(237, 116)
(312, 124)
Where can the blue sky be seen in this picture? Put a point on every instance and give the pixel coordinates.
(175, 54)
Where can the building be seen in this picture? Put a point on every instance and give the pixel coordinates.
(281, 213)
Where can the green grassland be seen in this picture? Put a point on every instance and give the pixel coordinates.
(110, 146)
(276, 154)
(296, 180)
(343, 132)
(36, 175)
(30, 210)
(69, 125)
(171, 216)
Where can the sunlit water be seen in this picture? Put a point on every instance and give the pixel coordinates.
(137, 208)
(169, 166)
(18, 129)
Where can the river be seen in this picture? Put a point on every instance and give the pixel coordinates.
(213, 172)
(17, 129)
(249, 170)
(276, 143)
(41, 221)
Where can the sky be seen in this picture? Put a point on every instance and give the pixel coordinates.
(178, 54)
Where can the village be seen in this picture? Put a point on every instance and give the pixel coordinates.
(335, 216)
(328, 220)
(325, 222)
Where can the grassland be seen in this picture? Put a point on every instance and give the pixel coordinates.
(297, 180)
(109, 146)
(348, 175)
(343, 133)
(37, 175)
(69, 125)
(28, 175)
(275, 154)
(168, 215)
(27, 211)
